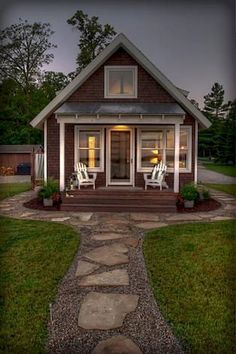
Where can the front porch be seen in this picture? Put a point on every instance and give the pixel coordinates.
(119, 199)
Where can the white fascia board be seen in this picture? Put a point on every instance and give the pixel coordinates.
(120, 41)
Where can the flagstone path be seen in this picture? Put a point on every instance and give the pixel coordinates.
(104, 303)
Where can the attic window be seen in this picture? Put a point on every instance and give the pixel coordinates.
(120, 82)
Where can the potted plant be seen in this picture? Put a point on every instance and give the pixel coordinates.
(46, 193)
(189, 193)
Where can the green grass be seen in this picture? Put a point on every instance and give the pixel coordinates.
(10, 189)
(227, 188)
(34, 257)
(224, 169)
(191, 269)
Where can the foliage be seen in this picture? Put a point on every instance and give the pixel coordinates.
(53, 82)
(226, 188)
(10, 189)
(189, 192)
(35, 255)
(23, 51)
(49, 188)
(191, 269)
(213, 139)
(94, 37)
(203, 192)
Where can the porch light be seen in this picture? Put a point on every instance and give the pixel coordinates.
(91, 151)
(121, 127)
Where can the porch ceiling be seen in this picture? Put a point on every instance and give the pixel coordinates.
(119, 108)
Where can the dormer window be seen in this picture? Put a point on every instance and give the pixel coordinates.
(120, 82)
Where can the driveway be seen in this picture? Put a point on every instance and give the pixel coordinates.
(15, 179)
(207, 176)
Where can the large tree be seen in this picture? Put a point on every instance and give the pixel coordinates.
(211, 139)
(94, 37)
(24, 49)
(52, 82)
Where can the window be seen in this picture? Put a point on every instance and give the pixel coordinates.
(159, 144)
(90, 148)
(120, 82)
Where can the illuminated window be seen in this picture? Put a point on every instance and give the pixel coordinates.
(89, 148)
(120, 82)
(159, 144)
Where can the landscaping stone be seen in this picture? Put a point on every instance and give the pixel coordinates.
(117, 277)
(61, 219)
(105, 311)
(131, 241)
(85, 216)
(144, 216)
(109, 236)
(85, 268)
(221, 218)
(117, 345)
(151, 225)
(184, 217)
(109, 255)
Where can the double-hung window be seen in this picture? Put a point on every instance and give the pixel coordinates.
(159, 144)
(89, 149)
(120, 82)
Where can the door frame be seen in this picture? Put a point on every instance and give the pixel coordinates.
(108, 156)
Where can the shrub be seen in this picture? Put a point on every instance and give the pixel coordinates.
(189, 192)
(49, 189)
(206, 194)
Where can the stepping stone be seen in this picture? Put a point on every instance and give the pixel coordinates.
(184, 217)
(26, 214)
(85, 268)
(60, 219)
(117, 345)
(144, 216)
(151, 225)
(131, 241)
(115, 277)
(221, 218)
(108, 236)
(109, 255)
(105, 311)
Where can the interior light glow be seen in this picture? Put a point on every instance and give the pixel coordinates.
(91, 151)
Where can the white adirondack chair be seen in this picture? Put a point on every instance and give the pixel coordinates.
(84, 178)
(156, 178)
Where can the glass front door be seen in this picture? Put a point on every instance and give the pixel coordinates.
(120, 157)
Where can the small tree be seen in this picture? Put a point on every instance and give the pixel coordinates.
(214, 106)
(23, 51)
(93, 37)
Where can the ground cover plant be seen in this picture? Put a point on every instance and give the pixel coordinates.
(192, 272)
(10, 189)
(34, 257)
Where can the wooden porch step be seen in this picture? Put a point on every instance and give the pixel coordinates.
(118, 208)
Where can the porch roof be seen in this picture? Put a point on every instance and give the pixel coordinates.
(119, 108)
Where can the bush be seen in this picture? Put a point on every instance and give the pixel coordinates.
(203, 192)
(49, 189)
(189, 192)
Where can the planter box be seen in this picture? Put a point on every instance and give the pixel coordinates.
(47, 202)
(189, 203)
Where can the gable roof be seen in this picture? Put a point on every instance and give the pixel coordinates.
(120, 41)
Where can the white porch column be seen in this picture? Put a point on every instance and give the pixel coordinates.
(62, 155)
(45, 150)
(196, 151)
(176, 170)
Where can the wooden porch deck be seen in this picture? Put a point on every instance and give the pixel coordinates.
(119, 199)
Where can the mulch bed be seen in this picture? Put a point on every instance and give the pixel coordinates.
(200, 206)
(37, 204)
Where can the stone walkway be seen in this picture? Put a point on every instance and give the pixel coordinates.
(104, 303)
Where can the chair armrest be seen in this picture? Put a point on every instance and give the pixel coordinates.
(93, 175)
(146, 175)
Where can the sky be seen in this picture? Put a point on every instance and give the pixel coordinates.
(191, 42)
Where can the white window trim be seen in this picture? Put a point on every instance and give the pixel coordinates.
(76, 145)
(109, 68)
(156, 128)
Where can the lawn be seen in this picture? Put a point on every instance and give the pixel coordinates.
(224, 169)
(34, 257)
(227, 188)
(10, 189)
(192, 272)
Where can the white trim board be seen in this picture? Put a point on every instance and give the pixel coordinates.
(120, 41)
